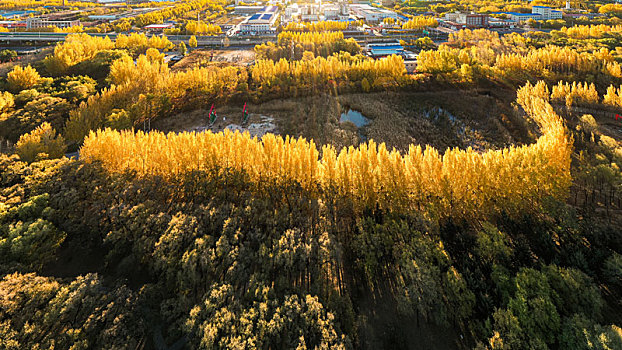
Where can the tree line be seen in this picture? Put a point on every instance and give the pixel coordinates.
(370, 176)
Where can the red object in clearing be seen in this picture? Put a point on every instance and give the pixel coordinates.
(618, 116)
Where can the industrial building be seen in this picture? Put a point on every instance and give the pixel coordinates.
(259, 23)
(371, 14)
(379, 50)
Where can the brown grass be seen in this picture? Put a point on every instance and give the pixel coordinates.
(397, 118)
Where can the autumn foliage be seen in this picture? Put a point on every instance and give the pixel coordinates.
(40, 143)
(420, 22)
(292, 45)
(81, 47)
(21, 78)
(458, 183)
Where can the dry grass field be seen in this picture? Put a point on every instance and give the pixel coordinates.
(399, 119)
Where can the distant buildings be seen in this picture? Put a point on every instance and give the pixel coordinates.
(546, 13)
(259, 23)
(331, 12)
(538, 13)
(379, 50)
(159, 28)
(106, 18)
(317, 12)
(13, 24)
(40, 22)
(466, 19)
(371, 14)
(522, 17)
(310, 12)
(248, 10)
(16, 14)
(292, 10)
(579, 14)
(228, 23)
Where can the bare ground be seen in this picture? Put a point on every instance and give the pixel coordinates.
(203, 58)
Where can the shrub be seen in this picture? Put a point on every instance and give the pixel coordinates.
(40, 143)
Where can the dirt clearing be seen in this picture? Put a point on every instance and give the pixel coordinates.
(203, 58)
(441, 119)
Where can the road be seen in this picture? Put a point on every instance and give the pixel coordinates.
(13, 38)
(218, 40)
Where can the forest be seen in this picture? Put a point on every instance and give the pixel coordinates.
(118, 237)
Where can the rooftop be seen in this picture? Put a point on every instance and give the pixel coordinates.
(261, 17)
(159, 26)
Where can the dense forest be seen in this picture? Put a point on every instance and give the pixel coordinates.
(204, 240)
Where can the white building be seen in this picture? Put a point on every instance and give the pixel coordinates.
(38, 22)
(292, 10)
(310, 12)
(470, 19)
(331, 12)
(522, 17)
(546, 12)
(371, 14)
(452, 16)
(259, 23)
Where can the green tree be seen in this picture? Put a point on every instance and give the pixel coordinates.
(612, 270)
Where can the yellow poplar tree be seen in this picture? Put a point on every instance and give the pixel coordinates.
(22, 78)
(41, 143)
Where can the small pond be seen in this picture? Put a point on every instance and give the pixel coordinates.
(355, 117)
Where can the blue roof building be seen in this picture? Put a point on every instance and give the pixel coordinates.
(384, 49)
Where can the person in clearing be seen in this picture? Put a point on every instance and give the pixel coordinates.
(211, 118)
(245, 114)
